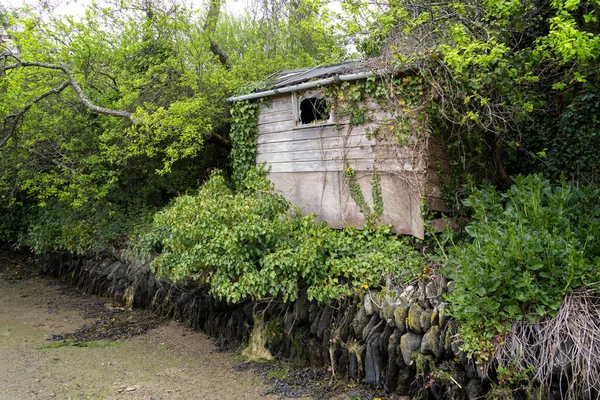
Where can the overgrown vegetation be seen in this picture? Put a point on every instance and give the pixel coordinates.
(246, 244)
(111, 118)
(110, 114)
(527, 249)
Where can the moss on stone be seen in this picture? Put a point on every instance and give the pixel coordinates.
(413, 320)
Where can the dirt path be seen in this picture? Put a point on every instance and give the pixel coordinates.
(167, 362)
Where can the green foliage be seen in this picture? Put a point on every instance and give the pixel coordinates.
(86, 230)
(153, 60)
(372, 214)
(569, 146)
(489, 67)
(513, 375)
(246, 244)
(244, 128)
(529, 247)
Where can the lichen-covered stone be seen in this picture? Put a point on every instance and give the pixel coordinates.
(391, 297)
(425, 320)
(421, 296)
(431, 343)
(359, 322)
(408, 295)
(413, 320)
(400, 314)
(387, 313)
(443, 315)
(450, 337)
(409, 343)
(371, 303)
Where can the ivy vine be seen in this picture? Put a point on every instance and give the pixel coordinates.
(244, 130)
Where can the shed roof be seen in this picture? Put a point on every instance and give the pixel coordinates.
(295, 76)
(303, 78)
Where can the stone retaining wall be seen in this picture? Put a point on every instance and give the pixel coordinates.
(402, 341)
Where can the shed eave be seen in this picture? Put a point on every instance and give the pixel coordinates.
(306, 85)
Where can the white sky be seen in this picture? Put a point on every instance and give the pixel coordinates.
(76, 7)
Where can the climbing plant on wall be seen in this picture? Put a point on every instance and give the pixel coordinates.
(244, 129)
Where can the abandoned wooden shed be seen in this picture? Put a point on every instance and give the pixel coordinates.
(317, 149)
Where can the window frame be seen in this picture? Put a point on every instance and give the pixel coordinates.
(297, 99)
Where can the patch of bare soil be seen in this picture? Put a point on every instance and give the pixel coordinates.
(166, 361)
(57, 342)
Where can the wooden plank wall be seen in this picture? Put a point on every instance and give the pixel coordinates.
(288, 147)
(306, 165)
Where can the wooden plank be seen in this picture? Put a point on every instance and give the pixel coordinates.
(275, 127)
(315, 132)
(331, 165)
(326, 143)
(277, 104)
(275, 116)
(340, 153)
(365, 153)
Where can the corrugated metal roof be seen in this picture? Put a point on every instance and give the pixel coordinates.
(300, 75)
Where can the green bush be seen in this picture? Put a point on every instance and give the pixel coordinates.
(95, 229)
(530, 246)
(248, 244)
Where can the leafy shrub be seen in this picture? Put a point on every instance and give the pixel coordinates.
(530, 246)
(248, 244)
(96, 229)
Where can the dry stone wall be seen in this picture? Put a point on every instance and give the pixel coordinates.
(403, 341)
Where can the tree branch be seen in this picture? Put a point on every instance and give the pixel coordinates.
(219, 140)
(210, 25)
(219, 52)
(15, 118)
(73, 83)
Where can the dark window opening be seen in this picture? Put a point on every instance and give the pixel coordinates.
(313, 109)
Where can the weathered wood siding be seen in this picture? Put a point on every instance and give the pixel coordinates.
(306, 164)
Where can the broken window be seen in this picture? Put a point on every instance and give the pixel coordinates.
(313, 110)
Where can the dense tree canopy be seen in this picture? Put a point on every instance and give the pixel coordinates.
(501, 74)
(122, 108)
